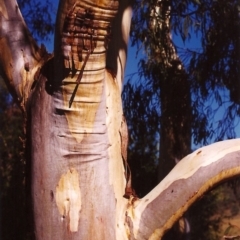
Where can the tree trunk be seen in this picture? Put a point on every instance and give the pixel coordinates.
(175, 95)
(77, 166)
(175, 120)
(74, 137)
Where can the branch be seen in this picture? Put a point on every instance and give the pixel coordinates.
(20, 56)
(198, 172)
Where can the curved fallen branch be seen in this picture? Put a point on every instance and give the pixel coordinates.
(153, 215)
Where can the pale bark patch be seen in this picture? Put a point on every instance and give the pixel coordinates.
(68, 198)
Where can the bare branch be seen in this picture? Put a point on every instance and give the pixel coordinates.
(198, 172)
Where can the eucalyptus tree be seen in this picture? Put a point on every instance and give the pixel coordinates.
(77, 135)
(164, 84)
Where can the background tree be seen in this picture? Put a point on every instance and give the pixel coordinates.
(166, 94)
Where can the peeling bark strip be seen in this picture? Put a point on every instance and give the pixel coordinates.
(129, 191)
(85, 34)
(82, 32)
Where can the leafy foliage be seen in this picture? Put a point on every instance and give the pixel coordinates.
(144, 139)
(39, 16)
(12, 169)
(203, 219)
(213, 70)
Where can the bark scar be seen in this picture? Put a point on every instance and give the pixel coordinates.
(129, 191)
(81, 32)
